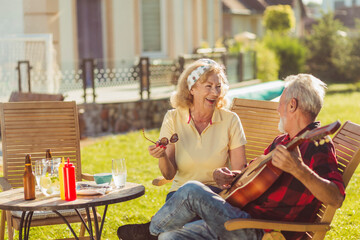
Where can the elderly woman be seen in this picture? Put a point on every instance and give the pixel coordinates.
(210, 136)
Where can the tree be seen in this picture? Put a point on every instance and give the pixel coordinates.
(279, 18)
(329, 50)
(353, 61)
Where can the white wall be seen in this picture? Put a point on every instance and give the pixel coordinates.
(11, 17)
(67, 48)
(211, 23)
(188, 23)
(178, 10)
(124, 31)
(199, 22)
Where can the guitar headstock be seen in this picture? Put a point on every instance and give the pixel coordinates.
(319, 135)
(323, 140)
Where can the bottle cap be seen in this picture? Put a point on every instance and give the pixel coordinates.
(68, 164)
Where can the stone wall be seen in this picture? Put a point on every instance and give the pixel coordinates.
(112, 118)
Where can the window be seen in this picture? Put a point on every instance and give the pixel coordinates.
(152, 27)
(339, 4)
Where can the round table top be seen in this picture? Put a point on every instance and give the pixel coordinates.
(14, 199)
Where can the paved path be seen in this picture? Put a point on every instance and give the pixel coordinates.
(130, 93)
(117, 94)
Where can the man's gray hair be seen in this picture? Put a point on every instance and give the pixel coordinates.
(308, 90)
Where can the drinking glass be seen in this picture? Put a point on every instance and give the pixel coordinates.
(39, 170)
(119, 172)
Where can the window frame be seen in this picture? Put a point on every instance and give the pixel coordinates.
(155, 54)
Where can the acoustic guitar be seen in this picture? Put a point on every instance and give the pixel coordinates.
(255, 179)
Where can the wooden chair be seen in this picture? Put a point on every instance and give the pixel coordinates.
(347, 144)
(260, 121)
(31, 128)
(28, 96)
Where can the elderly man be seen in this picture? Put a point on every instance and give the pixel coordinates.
(310, 177)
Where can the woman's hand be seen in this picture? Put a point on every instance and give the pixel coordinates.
(157, 151)
(223, 177)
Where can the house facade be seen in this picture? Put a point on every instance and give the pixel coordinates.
(333, 5)
(55, 36)
(247, 16)
(116, 29)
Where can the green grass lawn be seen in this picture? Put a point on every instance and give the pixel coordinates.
(341, 103)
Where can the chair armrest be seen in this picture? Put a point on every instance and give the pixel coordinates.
(240, 223)
(4, 184)
(87, 177)
(159, 181)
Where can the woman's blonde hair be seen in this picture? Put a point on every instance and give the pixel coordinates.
(182, 97)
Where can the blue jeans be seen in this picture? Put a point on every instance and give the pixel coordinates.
(214, 189)
(173, 220)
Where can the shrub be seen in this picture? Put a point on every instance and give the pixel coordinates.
(267, 63)
(234, 46)
(291, 53)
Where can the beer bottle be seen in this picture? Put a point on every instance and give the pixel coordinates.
(29, 180)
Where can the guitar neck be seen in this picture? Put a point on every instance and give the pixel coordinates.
(266, 159)
(290, 146)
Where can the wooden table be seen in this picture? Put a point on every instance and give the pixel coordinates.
(13, 200)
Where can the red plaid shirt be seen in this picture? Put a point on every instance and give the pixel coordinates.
(288, 199)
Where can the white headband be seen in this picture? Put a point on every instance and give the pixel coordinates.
(197, 72)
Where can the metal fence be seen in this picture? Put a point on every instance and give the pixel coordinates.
(239, 67)
(90, 76)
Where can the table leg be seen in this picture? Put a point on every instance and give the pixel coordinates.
(96, 224)
(89, 223)
(103, 219)
(27, 217)
(97, 229)
(21, 224)
(67, 223)
(27, 224)
(82, 220)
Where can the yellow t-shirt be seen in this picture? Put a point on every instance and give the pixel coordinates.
(197, 156)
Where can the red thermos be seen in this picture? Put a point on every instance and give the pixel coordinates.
(69, 181)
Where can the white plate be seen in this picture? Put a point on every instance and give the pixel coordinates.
(87, 192)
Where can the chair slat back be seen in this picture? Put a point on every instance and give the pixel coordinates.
(33, 127)
(260, 121)
(347, 144)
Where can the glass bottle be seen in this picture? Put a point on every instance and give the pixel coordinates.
(61, 179)
(48, 161)
(29, 180)
(48, 155)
